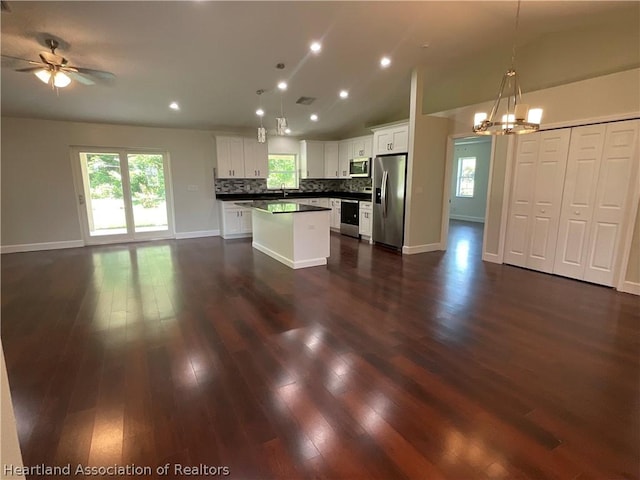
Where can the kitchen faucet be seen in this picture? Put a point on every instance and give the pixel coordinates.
(284, 193)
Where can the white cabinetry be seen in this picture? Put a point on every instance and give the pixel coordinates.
(311, 159)
(391, 139)
(256, 158)
(230, 157)
(362, 146)
(336, 205)
(345, 154)
(331, 160)
(236, 220)
(366, 219)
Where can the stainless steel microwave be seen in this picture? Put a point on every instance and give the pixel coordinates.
(360, 167)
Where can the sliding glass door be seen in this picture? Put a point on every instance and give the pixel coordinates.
(125, 195)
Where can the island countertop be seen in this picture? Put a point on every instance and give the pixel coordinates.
(282, 207)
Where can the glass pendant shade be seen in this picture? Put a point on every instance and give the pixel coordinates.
(262, 134)
(43, 75)
(281, 126)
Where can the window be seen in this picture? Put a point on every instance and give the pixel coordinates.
(466, 176)
(283, 171)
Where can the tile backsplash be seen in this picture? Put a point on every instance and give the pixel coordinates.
(259, 185)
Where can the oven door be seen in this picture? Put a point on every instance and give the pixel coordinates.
(349, 218)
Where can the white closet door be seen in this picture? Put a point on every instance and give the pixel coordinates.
(618, 169)
(583, 166)
(521, 204)
(549, 182)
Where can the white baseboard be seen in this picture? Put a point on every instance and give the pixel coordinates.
(197, 234)
(430, 247)
(631, 287)
(491, 257)
(466, 218)
(34, 247)
(312, 262)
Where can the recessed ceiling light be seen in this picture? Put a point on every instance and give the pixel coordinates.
(385, 62)
(287, 131)
(314, 117)
(260, 112)
(282, 86)
(344, 94)
(315, 47)
(174, 106)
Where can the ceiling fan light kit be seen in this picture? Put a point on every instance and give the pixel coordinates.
(517, 118)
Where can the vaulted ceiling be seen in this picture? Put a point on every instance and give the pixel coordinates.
(211, 57)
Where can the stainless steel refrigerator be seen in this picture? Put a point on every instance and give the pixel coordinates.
(389, 173)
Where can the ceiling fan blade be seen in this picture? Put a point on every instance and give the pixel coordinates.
(19, 58)
(102, 75)
(80, 78)
(32, 69)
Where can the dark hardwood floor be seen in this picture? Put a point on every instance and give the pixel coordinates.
(431, 366)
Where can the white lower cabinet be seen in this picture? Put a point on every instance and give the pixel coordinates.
(366, 219)
(236, 220)
(336, 206)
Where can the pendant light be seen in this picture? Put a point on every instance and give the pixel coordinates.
(281, 121)
(262, 132)
(517, 118)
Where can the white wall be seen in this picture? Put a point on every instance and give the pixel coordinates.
(283, 145)
(38, 196)
(471, 209)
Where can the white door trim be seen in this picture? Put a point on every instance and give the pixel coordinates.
(446, 191)
(79, 187)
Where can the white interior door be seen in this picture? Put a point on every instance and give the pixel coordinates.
(547, 198)
(583, 168)
(521, 203)
(619, 167)
(123, 195)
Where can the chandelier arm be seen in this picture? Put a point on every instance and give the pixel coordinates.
(496, 104)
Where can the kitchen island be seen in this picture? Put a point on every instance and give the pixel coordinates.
(296, 235)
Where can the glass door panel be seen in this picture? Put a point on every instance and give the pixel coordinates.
(104, 196)
(148, 195)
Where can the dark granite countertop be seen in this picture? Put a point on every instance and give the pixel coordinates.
(226, 197)
(282, 207)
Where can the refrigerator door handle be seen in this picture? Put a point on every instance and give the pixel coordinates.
(383, 194)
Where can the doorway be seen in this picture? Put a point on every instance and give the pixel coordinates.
(468, 193)
(123, 195)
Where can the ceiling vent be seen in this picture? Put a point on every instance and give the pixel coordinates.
(305, 100)
(4, 6)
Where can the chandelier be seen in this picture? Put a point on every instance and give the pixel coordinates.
(517, 118)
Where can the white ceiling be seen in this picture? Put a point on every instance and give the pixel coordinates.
(211, 57)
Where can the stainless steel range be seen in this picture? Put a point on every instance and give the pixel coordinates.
(349, 218)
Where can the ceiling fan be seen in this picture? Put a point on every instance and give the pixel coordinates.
(54, 69)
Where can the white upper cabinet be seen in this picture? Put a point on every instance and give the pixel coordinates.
(345, 153)
(230, 157)
(311, 159)
(392, 139)
(362, 146)
(331, 160)
(256, 158)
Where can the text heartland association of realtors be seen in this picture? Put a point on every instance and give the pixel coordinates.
(131, 470)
